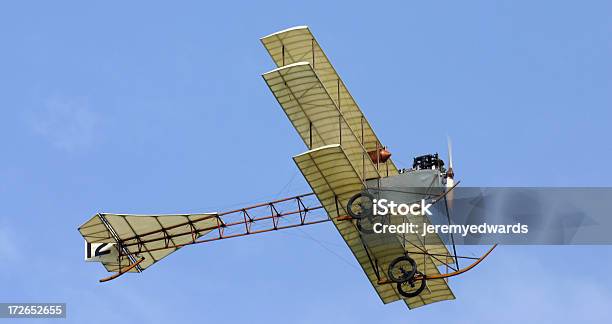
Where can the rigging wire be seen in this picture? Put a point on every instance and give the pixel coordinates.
(255, 200)
(307, 236)
(322, 244)
(286, 185)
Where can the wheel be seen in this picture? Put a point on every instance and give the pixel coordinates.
(402, 269)
(409, 288)
(360, 200)
(366, 227)
(366, 224)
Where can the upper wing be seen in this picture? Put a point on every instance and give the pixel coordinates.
(314, 115)
(151, 236)
(297, 45)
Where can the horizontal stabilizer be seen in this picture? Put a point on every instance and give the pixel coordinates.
(150, 236)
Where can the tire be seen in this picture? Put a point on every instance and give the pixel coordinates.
(411, 283)
(362, 229)
(406, 276)
(352, 201)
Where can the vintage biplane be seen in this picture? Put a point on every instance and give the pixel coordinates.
(344, 160)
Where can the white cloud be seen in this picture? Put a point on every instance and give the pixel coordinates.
(67, 123)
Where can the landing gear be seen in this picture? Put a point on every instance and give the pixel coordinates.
(402, 269)
(360, 205)
(409, 288)
(366, 224)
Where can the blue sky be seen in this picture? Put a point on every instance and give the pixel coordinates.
(159, 108)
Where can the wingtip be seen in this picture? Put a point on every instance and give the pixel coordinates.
(284, 31)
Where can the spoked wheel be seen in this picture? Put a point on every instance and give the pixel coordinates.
(359, 206)
(365, 225)
(412, 287)
(402, 269)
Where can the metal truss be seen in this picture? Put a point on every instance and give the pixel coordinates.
(271, 216)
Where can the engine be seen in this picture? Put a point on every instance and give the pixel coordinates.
(428, 161)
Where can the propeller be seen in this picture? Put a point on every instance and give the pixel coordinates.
(450, 174)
